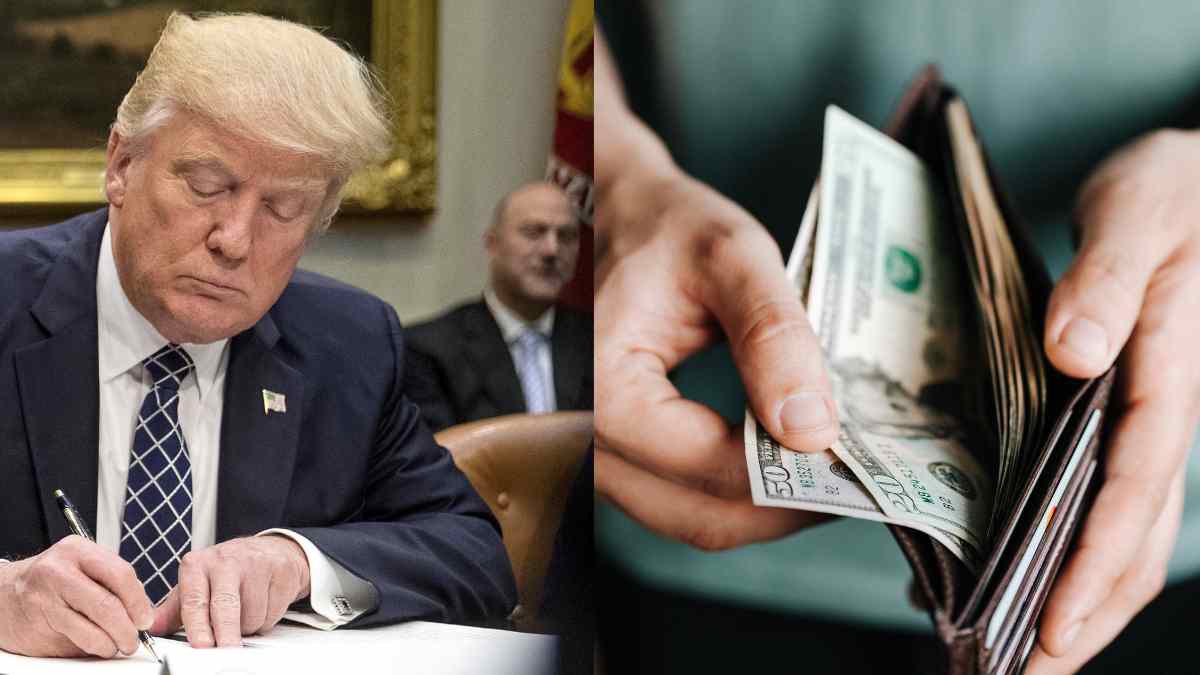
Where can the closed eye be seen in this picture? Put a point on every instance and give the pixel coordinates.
(285, 208)
(204, 191)
(281, 214)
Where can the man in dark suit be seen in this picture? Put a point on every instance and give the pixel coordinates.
(514, 350)
(236, 430)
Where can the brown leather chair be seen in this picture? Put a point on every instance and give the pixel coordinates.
(523, 466)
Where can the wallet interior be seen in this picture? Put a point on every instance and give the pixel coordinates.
(989, 620)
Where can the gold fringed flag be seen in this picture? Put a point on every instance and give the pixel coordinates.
(570, 164)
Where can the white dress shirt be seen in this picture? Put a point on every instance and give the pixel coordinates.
(511, 328)
(125, 339)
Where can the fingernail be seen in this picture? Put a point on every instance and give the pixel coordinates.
(804, 412)
(202, 640)
(1071, 633)
(1086, 338)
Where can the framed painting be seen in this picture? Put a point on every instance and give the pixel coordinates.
(70, 62)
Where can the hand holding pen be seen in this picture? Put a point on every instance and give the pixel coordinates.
(75, 522)
(75, 598)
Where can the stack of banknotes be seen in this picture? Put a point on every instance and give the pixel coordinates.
(929, 341)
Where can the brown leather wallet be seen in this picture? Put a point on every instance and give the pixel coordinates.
(988, 622)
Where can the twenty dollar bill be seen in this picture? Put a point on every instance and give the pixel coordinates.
(883, 298)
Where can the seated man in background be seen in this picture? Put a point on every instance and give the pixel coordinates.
(275, 457)
(516, 350)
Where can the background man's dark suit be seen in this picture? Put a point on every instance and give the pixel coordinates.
(350, 466)
(459, 369)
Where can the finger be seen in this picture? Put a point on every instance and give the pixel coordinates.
(166, 617)
(638, 406)
(118, 577)
(193, 592)
(637, 341)
(773, 344)
(102, 609)
(255, 597)
(916, 597)
(1095, 305)
(81, 631)
(225, 603)
(279, 598)
(1147, 446)
(695, 518)
(1134, 591)
(636, 403)
(1129, 501)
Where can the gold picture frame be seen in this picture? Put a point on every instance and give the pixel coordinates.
(404, 55)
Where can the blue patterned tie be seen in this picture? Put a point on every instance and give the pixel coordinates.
(532, 382)
(157, 527)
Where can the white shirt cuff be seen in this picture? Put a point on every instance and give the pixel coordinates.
(337, 595)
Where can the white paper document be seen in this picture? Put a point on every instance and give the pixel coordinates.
(414, 647)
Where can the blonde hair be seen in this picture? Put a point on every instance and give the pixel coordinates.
(269, 80)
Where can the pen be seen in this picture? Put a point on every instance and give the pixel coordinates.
(75, 522)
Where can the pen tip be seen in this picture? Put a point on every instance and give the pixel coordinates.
(59, 494)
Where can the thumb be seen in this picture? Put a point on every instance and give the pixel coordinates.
(1095, 306)
(777, 354)
(166, 615)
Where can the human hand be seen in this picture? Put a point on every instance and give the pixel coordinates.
(1133, 284)
(239, 587)
(73, 599)
(681, 259)
(677, 266)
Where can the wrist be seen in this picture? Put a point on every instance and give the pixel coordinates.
(9, 619)
(631, 202)
(9, 569)
(631, 153)
(298, 559)
(305, 574)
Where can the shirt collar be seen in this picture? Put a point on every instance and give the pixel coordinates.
(511, 324)
(126, 338)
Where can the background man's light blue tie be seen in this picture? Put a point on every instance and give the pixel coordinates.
(157, 526)
(537, 399)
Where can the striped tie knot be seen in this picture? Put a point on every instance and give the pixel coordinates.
(168, 366)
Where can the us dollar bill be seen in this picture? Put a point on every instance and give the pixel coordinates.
(819, 481)
(887, 304)
(882, 296)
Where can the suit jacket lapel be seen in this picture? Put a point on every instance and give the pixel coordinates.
(491, 358)
(569, 361)
(258, 447)
(58, 379)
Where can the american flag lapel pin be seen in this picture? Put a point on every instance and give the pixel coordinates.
(273, 402)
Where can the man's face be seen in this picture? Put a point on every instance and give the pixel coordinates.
(535, 246)
(207, 226)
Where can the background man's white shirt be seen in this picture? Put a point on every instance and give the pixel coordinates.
(511, 328)
(126, 338)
